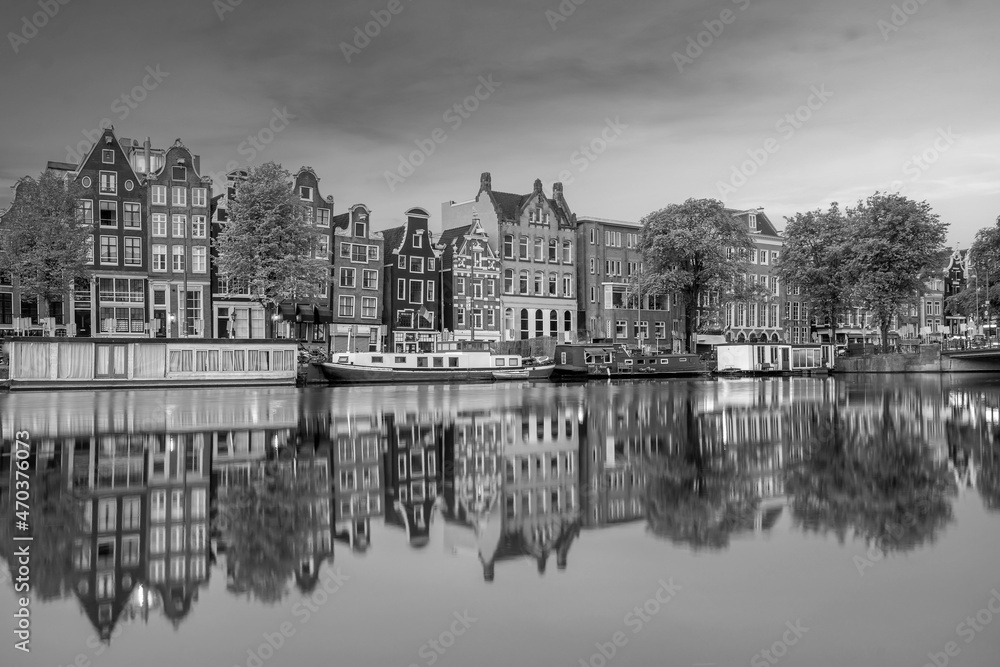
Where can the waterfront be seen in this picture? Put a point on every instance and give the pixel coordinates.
(823, 520)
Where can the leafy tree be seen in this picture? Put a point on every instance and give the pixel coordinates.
(43, 242)
(267, 244)
(693, 249)
(984, 258)
(815, 259)
(897, 243)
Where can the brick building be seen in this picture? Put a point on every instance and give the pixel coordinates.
(356, 303)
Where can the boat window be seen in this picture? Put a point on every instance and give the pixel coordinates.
(664, 361)
(421, 362)
(501, 362)
(515, 361)
(453, 362)
(341, 360)
(377, 360)
(682, 359)
(400, 360)
(438, 362)
(562, 358)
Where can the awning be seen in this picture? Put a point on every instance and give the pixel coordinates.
(287, 311)
(324, 315)
(711, 339)
(306, 313)
(598, 350)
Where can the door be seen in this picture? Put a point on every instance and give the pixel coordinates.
(160, 323)
(785, 359)
(82, 321)
(111, 361)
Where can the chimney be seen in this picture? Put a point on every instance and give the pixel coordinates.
(557, 191)
(485, 181)
(145, 151)
(538, 186)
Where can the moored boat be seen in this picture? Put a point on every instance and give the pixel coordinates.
(452, 361)
(600, 360)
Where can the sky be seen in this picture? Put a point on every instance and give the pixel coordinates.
(787, 105)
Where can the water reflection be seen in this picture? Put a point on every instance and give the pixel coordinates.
(140, 497)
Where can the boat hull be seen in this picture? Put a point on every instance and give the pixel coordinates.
(527, 373)
(355, 374)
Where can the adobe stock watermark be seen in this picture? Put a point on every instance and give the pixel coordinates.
(122, 106)
(588, 153)
(917, 164)
(303, 610)
(372, 29)
(714, 28)
(223, 7)
(454, 116)
(779, 649)
(899, 17)
(254, 144)
(562, 12)
(432, 650)
(636, 620)
(967, 630)
(30, 25)
(787, 126)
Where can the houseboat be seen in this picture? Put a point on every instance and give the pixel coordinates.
(597, 360)
(771, 359)
(452, 361)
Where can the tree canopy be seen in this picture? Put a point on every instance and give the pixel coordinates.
(44, 243)
(267, 244)
(696, 248)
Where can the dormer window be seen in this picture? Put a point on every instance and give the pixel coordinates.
(360, 228)
(178, 173)
(417, 240)
(753, 221)
(107, 156)
(531, 217)
(305, 193)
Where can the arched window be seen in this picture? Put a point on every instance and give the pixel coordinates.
(567, 252)
(568, 321)
(539, 282)
(523, 247)
(553, 284)
(553, 323)
(553, 251)
(508, 319)
(508, 246)
(524, 324)
(523, 283)
(508, 281)
(740, 338)
(539, 323)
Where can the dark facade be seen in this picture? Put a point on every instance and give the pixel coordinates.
(411, 286)
(471, 275)
(356, 300)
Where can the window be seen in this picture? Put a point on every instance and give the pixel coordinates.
(553, 251)
(774, 257)
(538, 282)
(460, 285)
(178, 223)
(109, 183)
(107, 516)
(107, 156)
(401, 289)
(307, 214)
(131, 214)
(430, 263)
(567, 285)
(159, 257)
(416, 291)
(322, 217)
(753, 221)
(345, 306)
(459, 316)
(160, 195)
(539, 250)
(347, 277)
(491, 288)
(85, 211)
(199, 227)
(430, 290)
(523, 247)
(369, 279)
(402, 262)
(360, 228)
(109, 214)
(477, 289)
(177, 252)
(567, 252)
(523, 282)
(508, 246)
(373, 253)
(133, 251)
(369, 307)
(159, 224)
(199, 197)
(416, 264)
(199, 259)
(305, 193)
(553, 284)
(661, 330)
(178, 196)
(763, 257)
(109, 250)
(418, 240)
(159, 506)
(178, 173)
(621, 329)
(508, 281)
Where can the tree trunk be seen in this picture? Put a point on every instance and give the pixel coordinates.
(884, 327)
(690, 307)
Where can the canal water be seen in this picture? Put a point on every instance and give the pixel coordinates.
(800, 521)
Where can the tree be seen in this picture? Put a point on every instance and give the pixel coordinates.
(267, 244)
(983, 258)
(815, 259)
(693, 249)
(44, 244)
(897, 243)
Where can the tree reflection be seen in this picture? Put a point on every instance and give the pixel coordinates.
(263, 522)
(988, 478)
(698, 497)
(874, 477)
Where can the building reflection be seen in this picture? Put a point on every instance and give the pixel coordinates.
(139, 496)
